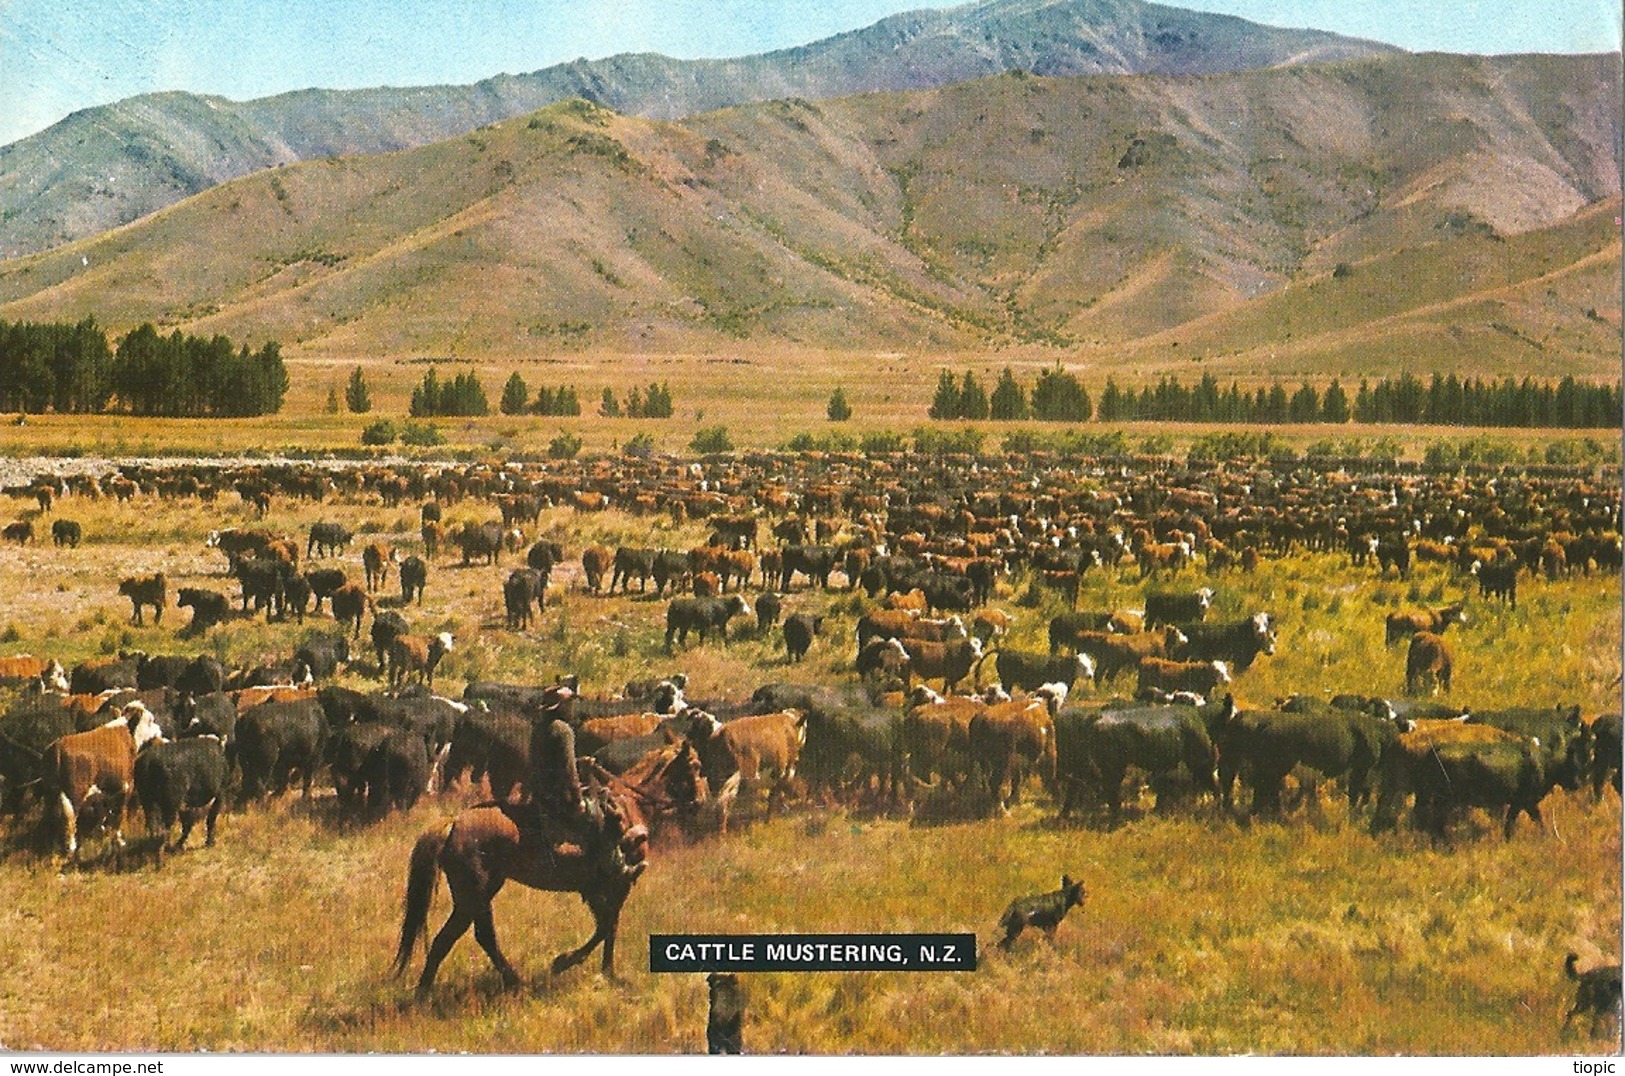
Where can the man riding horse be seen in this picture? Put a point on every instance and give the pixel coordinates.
(562, 808)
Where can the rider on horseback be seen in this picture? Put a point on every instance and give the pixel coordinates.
(565, 809)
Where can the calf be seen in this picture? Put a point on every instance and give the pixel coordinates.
(1169, 607)
(327, 539)
(146, 590)
(184, 778)
(519, 591)
(376, 558)
(66, 532)
(768, 606)
(596, 562)
(1428, 662)
(414, 574)
(208, 609)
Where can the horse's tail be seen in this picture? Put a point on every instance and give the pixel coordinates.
(421, 879)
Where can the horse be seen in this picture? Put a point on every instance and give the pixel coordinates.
(491, 844)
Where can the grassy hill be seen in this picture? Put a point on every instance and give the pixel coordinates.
(107, 166)
(1359, 218)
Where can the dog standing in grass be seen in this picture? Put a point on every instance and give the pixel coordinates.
(1044, 911)
(1598, 994)
(725, 1026)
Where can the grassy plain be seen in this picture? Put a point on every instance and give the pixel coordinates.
(1199, 936)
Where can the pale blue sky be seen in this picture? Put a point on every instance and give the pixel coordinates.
(60, 55)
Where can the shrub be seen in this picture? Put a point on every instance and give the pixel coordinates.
(882, 444)
(565, 446)
(421, 434)
(838, 409)
(711, 439)
(381, 432)
(640, 447)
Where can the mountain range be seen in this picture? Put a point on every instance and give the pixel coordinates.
(106, 166)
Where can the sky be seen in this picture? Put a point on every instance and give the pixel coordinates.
(57, 56)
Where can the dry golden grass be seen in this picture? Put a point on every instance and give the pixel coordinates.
(1199, 936)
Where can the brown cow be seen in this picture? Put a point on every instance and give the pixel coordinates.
(950, 661)
(1115, 652)
(762, 748)
(1010, 739)
(1428, 661)
(96, 768)
(376, 559)
(1197, 677)
(146, 590)
(26, 669)
(350, 604)
(1404, 625)
(21, 532)
(434, 537)
(418, 654)
(596, 561)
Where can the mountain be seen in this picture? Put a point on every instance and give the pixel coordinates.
(107, 166)
(1391, 213)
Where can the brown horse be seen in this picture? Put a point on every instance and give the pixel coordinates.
(488, 845)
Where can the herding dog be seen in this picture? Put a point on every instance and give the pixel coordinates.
(1597, 994)
(1045, 911)
(724, 1027)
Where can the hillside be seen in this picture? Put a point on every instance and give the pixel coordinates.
(1154, 220)
(107, 166)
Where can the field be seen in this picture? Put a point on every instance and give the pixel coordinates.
(1200, 935)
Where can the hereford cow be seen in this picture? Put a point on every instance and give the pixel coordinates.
(1237, 643)
(26, 669)
(1009, 740)
(146, 590)
(949, 661)
(1201, 678)
(1171, 607)
(416, 654)
(94, 772)
(761, 748)
(1029, 670)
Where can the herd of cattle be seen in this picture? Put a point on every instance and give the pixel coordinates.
(929, 542)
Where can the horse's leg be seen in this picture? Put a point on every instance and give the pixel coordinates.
(611, 912)
(606, 910)
(485, 932)
(457, 924)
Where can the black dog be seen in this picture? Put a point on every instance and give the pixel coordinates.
(1045, 911)
(724, 1028)
(1597, 994)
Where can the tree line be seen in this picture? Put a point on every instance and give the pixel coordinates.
(1446, 400)
(73, 369)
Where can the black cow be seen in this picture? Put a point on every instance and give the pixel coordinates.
(670, 567)
(213, 714)
(1237, 643)
(262, 581)
(1394, 551)
(492, 746)
(276, 740)
(1265, 745)
(1030, 671)
(768, 607)
(319, 657)
(323, 582)
(164, 670)
(703, 615)
(544, 555)
(1498, 579)
(1606, 751)
(204, 675)
(1501, 775)
(632, 563)
(1094, 750)
(184, 778)
(799, 631)
(327, 539)
(522, 587)
(414, 574)
(66, 532)
(386, 625)
(396, 772)
(95, 677)
(1566, 742)
(348, 750)
(208, 608)
(479, 541)
(852, 744)
(1173, 607)
(296, 594)
(816, 562)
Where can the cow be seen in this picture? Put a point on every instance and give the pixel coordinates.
(263, 580)
(66, 532)
(883, 624)
(1066, 628)
(419, 654)
(702, 615)
(21, 532)
(816, 562)
(950, 661)
(104, 674)
(596, 562)
(1403, 625)
(95, 771)
(347, 752)
(480, 541)
(320, 656)
(799, 631)
(433, 533)
(760, 748)
(376, 557)
(1008, 740)
(1606, 753)
(328, 539)
(1498, 579)
(934, 738)
(25, 669)
(522, 588)
(1450, 769)
(396, 772)
(350, 605)
(323, 582)
(768, 607)
(278, 739)
(385, 627)
(1237, 643)
(1428, 662)
(1336, 742)
(1172, 607)
(184, 778)
(1566, 742)
(632, 563)
(1029, 670)
(1393, 551)
(851, 742)
(1096, 749)
(145, 590)
(414, 574)
(1113, 653)
(210, 714)
(1201, 678)
(208, 608)
(544, 555)
(991, 624)
(295, 596)
(204, 675)
(671, 568)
